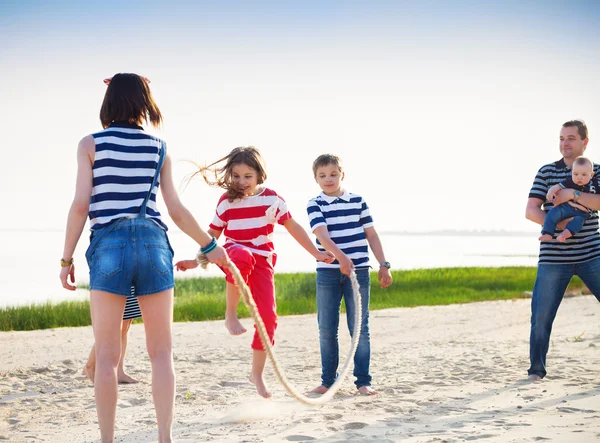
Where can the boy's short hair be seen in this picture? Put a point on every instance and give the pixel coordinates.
(583, 161)
(326, 159)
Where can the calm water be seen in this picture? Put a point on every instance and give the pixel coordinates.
(30, 259)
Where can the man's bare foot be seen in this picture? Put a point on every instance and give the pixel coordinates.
(534, 377)
(126, 379)
(234, 326)
(320, 390)
(564, 235)
(261, 387)
(88, 372)
(367, 390)
(545, 237)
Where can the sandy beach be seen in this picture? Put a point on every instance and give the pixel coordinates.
(444, 374)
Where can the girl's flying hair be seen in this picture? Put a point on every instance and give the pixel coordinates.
(221, 175)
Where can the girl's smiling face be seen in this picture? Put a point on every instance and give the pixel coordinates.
(244, 178)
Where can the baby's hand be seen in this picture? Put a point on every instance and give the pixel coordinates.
(551, 195)
(326, 257)
(184, 265)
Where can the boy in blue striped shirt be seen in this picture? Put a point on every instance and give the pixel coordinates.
(342, 223)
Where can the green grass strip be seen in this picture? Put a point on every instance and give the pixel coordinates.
(199, 299)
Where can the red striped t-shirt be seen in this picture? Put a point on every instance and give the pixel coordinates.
(250, 221)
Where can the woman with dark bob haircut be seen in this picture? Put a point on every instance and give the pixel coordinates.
(119, 172)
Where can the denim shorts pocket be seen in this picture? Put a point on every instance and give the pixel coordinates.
(109, 259)
(160, 257)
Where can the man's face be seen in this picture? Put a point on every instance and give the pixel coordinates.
(571, 144)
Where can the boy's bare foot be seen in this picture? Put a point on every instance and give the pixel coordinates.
(367, 390)
(234, 326)
(89, 373)
(564, 235)
(261, 387)
(320, 390)
(534, 377)
(545, 237)
(126, 379)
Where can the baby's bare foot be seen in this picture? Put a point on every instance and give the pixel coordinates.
(126, 379)
(545, 237)
(261, 387)
(367, 390)
(320, 390)
(234, 326)
(564, 235)
(88, 372)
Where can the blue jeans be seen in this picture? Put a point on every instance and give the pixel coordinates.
(550, 285)
(561, 212)
(332, 285)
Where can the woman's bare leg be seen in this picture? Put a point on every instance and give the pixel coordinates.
(157, 310)
(107, 313)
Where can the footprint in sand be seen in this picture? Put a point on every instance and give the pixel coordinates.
(299, 438)
(332, 416)
(355, 425)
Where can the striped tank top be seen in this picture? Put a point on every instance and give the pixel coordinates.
(124, 166)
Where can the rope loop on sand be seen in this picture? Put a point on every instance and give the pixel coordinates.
(262, 332)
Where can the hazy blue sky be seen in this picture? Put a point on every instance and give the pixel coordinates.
(442, 110)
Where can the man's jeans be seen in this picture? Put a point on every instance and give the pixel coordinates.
(332, 285)
(561, 212)
(550, 285)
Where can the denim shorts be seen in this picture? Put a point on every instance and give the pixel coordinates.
(136, 252)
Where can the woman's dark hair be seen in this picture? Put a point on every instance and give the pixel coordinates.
(128, 98)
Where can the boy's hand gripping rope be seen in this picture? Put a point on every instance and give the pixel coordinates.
(262, 332)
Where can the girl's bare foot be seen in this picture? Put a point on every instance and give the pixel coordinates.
(534, 377)
(367, 390)
(126, 379)
(320, 390)
(545, 237)
(88, 372)
(564, 235)
(261, 387)
(234, 326)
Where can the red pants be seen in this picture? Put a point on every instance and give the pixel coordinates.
(258, 273)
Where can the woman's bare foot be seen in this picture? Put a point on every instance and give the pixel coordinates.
(534, 377)
(367, 390)
(320, 390)
(89, 372)
(234, 326)
(545, 237)
(564, 235)
(261, 387)
(126, 379)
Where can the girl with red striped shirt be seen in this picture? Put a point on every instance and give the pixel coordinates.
(246, 215)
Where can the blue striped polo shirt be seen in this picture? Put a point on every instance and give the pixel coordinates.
(583, 246)
(125, 162)
(346, 217)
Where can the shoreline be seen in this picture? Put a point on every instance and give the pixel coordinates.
(444, 373)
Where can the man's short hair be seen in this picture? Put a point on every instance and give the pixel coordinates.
(326, 159)
(581, 127)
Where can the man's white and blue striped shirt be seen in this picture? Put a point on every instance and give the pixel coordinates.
(583, 246)
(125, 162)
(346, 218)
